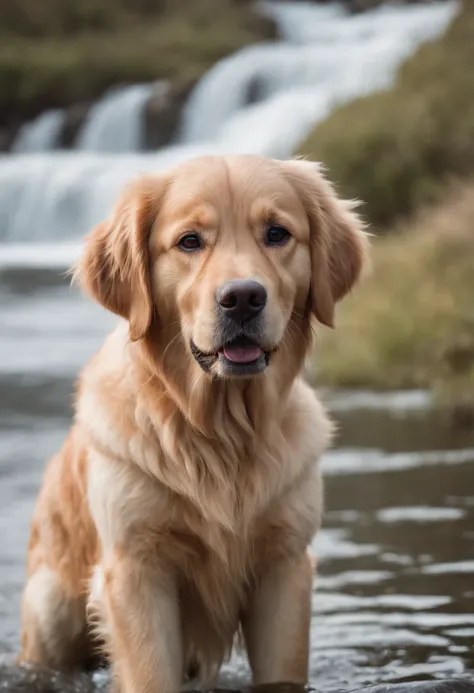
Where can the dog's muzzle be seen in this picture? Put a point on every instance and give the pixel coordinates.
(240, 307)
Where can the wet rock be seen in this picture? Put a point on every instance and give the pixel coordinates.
(161, 118)
(73, 122)
(364, 5)
(6, 138)
(163, 112)
(442, 686)
(33, 679)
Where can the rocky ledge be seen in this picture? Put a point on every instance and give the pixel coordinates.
(30, 679)
(363, 5)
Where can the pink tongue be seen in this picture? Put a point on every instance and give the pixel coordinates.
(245, 354)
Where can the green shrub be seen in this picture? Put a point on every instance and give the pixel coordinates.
(411, 322)
(395, 149)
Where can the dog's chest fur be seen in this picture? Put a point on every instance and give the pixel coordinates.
(213, 508)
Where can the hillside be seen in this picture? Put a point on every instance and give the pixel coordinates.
(57, 52)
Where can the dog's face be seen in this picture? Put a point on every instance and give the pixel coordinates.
(230, 254)
(231, 249)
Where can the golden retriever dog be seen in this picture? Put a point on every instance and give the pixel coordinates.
(180, 509)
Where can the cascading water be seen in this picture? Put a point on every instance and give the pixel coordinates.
(114, 124)
(263, 99)
(326, 59)
(41, 135)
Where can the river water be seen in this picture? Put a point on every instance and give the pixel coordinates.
(395, 592)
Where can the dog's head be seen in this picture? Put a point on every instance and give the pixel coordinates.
(227, 258)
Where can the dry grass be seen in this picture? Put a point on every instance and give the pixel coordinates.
(410, 323)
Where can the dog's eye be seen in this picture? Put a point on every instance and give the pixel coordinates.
(190, 243)
(276, 235)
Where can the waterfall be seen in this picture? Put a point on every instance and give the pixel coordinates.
(114, 124)
(41, 135)
(327, 58)
(263, 99)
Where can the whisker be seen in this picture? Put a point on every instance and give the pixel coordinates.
(298, 315)
(293, 324)
(179, 334)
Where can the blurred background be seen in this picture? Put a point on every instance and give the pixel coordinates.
(93, 92)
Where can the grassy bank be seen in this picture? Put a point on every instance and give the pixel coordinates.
(410, 323)
(395, 150)
(57, 52)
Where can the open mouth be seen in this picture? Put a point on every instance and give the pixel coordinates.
(241, 356)
(241, 351)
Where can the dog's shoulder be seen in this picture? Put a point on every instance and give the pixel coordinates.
(307, 425)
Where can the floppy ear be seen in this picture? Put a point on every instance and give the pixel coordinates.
(115, 267)
(338, 244)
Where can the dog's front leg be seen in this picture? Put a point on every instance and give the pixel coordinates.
(134, 592)
(277, 621)
(142, 626)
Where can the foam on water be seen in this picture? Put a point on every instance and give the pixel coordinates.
(58, 256)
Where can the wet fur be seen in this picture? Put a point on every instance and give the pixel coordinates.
(182, 505)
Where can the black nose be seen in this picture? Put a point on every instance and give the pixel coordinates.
(241, 299)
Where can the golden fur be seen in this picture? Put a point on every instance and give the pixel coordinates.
(182, 503)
